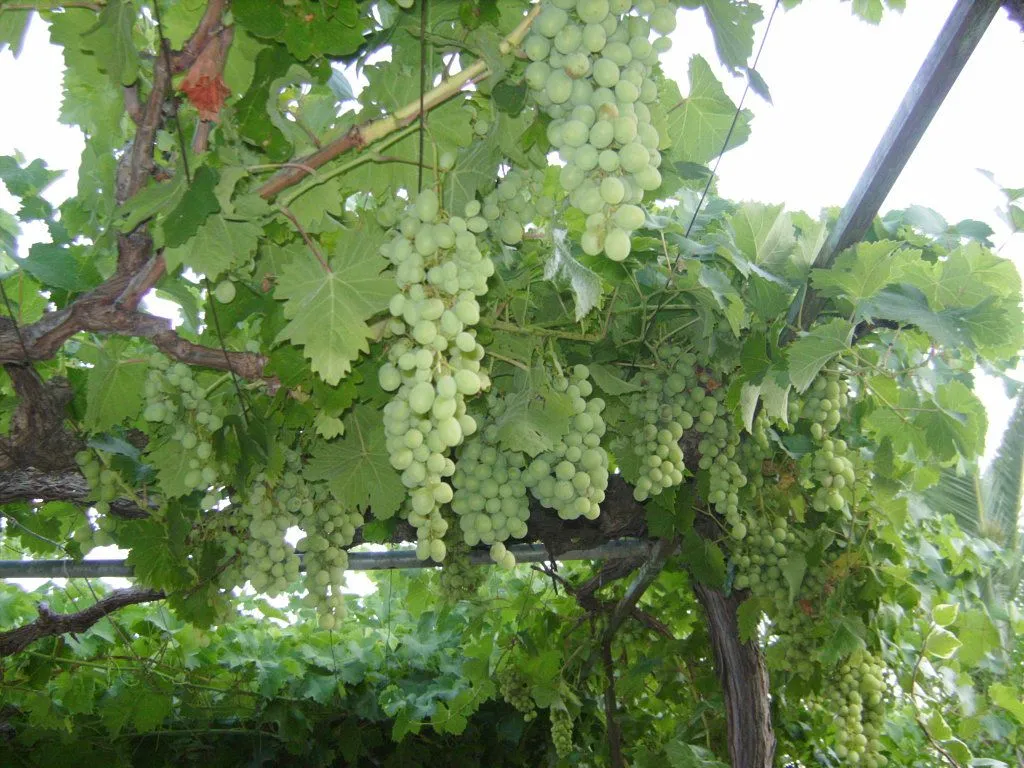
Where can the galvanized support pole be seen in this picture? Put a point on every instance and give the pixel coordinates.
(357, 561)
(954, 45)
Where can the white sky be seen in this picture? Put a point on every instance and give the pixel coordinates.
(835, 83)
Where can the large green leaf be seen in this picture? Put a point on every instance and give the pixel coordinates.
(328, 310)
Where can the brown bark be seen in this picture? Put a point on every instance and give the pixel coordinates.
(744, 678)
(49, 624)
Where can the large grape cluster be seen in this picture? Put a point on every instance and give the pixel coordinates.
(571, 479)
(665, 405)
(490, 491)
(515, 689)
(460, 580)
(590, 70)
(832, 471)
(517, 201)
(253, 534)
(857, 703)
(174, 398)
(435, 362)
(561, 731)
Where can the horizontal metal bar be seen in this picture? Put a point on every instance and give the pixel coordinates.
(357, 561)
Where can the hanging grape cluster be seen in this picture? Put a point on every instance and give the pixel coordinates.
(490, 491)
(434, 364)
(561, 731)
(858, 706)
(253, 535)
(460, 580)
(590, 70)
(832, 467)
(174, 398)
(516, 202)
(571, 479)
(515, 689)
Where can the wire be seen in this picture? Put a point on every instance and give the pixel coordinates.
(714, 171)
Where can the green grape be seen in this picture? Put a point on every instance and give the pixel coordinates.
(434, 363)
(515, 688)
(561, 731)
(224, 292)
(591, 72)
(572, 478)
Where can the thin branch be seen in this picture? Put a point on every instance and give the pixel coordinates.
(50, 624)
(363, 135)
(649, 571)
(208, 26)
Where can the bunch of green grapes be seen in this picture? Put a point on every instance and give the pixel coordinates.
(591, 66)
(571, 479)
(561, 730)
(434, 364)
(104, 481)
(857, 703)
(516, 202)
(668, 404)
(176, 400)
(460, 579)
(832, 467)
(253, 535)
(490, 491)
(515, 689)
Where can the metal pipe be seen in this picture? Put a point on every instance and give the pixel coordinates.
(945, 61)
(357, 561)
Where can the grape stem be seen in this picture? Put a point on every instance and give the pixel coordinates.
(365, 134)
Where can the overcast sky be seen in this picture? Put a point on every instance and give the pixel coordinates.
(835, 83)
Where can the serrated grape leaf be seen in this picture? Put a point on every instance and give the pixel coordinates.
(475, 169)
(698, 124)
(608, 379)
(356, 466)
(584, 283)
(151, 200)
(171, 461)
(1005, 696)
(808, 355)
(956, 422)
(534, 420)
(217, 246)
(61, 267)
(748, 619)
(114, 387)
(75, 691)
(764, 233)
(327, 311)
(254, 124)
(13, 27)
(861, 272)
(758, 84)
(732, 25)
(111, 41)
(965, 278)
(27, 181)
(846, 637)
(704, 559)
(793, 568)
(196, 205)
(941, 643)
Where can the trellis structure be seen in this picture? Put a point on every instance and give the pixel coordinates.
(952, 49)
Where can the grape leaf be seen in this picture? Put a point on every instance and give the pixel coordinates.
(699, 123)
(217, 246)
(704, 559)
(793, 568)
(356, 466)
(941, 643)
(863, 271)
(195, 206)
(1005, 696)
(585, 283)
(171, 461)
(608, 379)
(13, 27)
(732, 25)
(809, 354)
(764, 233)
(59, 267)
(534, 420)
(111, 40)
(327, 311)
(748, 619)
(114, 388)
